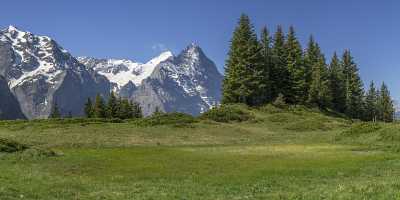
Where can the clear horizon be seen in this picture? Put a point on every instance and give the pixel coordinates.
(140, 31)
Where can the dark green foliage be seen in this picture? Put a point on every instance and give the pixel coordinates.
(112, 106)
(89, 112)
(295, 65)
(266, 51)
(337, 85)
(318, 92)
(280, 74)
(244, 71)
(354, 87)
(385, 105)
(371, 103)
(228, 113)
(99, 109)
(117, 108)
(280, 101)
(9, 146)
(55, 112)
(175, 119)
(137, 110)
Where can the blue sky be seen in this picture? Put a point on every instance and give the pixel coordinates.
(139, 30)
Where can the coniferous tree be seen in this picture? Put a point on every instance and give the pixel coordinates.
(89, 108)
(337, 84)
(354, 87)
(295, 66)
(125, 109)
(266, 51)
(280, 74)
(137, 110)
(311, 57)
(112, 106)
(385, 105)
(99, 108)
(244, 80)
(318, 93)
(55, 112)
(371, 103)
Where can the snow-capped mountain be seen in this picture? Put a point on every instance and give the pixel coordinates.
(189, 82)
(40, 73)
(122, 71)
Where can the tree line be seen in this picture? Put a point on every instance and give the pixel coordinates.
(261, 70)
(112, 108)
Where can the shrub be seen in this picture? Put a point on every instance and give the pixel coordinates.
(9, 146)
(228, 113)
(362, 128)
(280, 101)
(269, 108)
(176, 119)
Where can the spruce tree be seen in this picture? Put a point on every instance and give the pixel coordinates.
(337, 85)
(280, 74)
(371, 103)
(354, 87)
(137, 110)
(266, 51)
(295, 66)
(99, 108)
(311, 57)
(244, 72)
(319, 94)
(55, 112)
(112, 106)
(385, 105)
(89, 108)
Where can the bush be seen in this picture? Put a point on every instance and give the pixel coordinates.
(362, 128)
(9, 146)
(280, 101)
(228, 113)
(271, 109)
(176, 119)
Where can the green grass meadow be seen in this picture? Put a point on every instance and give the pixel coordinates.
(293, 153)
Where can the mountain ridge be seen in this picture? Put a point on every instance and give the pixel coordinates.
(41, 73)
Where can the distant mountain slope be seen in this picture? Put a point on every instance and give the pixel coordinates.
(9, 106)
(189, 82)
(40, 73)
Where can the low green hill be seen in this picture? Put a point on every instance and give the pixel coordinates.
(233, 152)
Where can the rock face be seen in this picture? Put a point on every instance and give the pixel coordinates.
(9, 107)
(189, 83)
(40, 73)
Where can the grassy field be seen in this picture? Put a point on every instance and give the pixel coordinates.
(275, 154)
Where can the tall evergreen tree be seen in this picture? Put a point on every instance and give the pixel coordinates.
(112, 106)
(266, 51)
(385, 105)
(337, 84)
(319, 94)
(55, 112)
(137, 110)
(311, 57)
(295, 66)
(371, 103)
(99, 108)
(354, 87)
(89, 108)
(280, 73)
(244, 72)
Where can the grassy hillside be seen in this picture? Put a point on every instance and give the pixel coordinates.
(231, 153)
